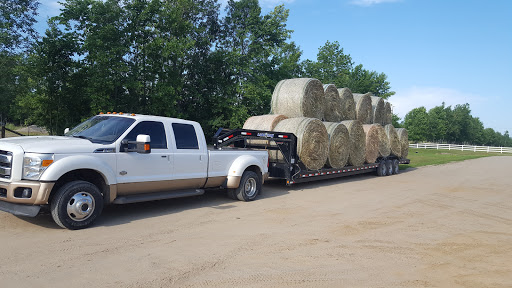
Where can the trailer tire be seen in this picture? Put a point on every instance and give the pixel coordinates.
(396, 166)
(382, 169)
(389, 167)
(250, 186)
(76, 205)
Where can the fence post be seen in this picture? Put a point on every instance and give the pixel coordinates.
(488, 149)
(501, 148)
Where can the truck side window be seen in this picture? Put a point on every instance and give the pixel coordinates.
(155, 130)
(185, 136)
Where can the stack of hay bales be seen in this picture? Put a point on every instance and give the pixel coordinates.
(364, 111)
(356, 129)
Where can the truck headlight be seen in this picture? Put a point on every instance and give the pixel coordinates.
(34, 165)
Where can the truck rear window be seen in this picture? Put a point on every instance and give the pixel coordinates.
(185, 136)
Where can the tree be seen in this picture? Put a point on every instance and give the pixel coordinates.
(416, 122)
(332, 65)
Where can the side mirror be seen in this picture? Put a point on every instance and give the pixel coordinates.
(142, 145)
(66, 130)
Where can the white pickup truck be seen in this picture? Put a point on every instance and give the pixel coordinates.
(118, 159)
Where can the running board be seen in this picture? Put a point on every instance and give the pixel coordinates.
(158, 196)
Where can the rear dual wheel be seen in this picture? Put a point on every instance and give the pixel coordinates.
(248, 189)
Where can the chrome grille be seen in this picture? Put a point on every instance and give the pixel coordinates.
(5, 164)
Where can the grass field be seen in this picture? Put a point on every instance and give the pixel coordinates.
(423, 157)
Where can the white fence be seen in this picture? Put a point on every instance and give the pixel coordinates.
(462, 147)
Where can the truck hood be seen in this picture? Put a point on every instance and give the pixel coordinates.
(54, 144)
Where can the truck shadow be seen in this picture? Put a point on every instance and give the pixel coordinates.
(114, 215)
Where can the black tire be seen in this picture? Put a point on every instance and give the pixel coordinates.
(389, 166)
(396, 166)
(76, 205)
(231, 194)
(250, 186)
(382, 169)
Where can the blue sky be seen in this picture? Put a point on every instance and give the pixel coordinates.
(456, 51)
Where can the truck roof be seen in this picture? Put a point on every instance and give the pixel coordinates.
(145, 117)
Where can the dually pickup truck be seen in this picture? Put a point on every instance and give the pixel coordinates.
(118, 159)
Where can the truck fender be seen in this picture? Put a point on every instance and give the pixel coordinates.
(239, 166)
(70, 163)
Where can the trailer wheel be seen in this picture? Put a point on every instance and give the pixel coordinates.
(389, 167)
(382, 169)
(250, 186)
(76, 205)
(396, 166)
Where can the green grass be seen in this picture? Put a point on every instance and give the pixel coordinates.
(423, 157)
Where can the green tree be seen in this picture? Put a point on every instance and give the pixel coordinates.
(416, 123)
(363, 81)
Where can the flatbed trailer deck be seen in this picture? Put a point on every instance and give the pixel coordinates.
(289, 166)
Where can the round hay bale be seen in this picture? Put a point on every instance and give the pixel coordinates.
(357, 145)
(299, 97)
(384, 148)
(263, 122)
(378, 109)
(388, 114)
(372, 133)
(394, 143)
(339, 141)
(348, 106)
(333, 109)
(403, 138)
(312, 140)
(364, 109)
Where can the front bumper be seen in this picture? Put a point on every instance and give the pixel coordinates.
(40, 192)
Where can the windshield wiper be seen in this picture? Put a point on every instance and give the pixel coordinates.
(83, 137)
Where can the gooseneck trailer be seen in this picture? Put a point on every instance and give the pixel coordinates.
(289, 166)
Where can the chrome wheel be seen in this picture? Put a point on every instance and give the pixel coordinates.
(250, 187)
(80, 206)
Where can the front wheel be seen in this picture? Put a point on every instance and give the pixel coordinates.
(250, 186)
(76, 205)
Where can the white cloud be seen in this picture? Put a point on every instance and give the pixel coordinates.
(429, 97)
(367, 3)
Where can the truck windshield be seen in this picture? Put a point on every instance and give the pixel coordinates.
(101, 129)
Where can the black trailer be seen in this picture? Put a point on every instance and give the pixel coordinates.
(289, 166)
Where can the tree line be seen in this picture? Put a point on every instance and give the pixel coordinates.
(444, 124)
(179, 58)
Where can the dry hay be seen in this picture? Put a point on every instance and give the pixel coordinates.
(364, 111)
(312, 140)
(333, 109)
(348, 106)
(403, 138)
(394, 143)
(378, 110)
(388, 114)
(263, 122)
(299, 97)
(357, 146)
(384, 147)
(339, 141)
(372, 142)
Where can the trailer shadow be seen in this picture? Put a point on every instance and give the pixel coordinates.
(114, 215)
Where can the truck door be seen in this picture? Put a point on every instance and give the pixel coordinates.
(141, 173)
(190, 157)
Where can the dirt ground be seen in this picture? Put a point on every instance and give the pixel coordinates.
(438, 226)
